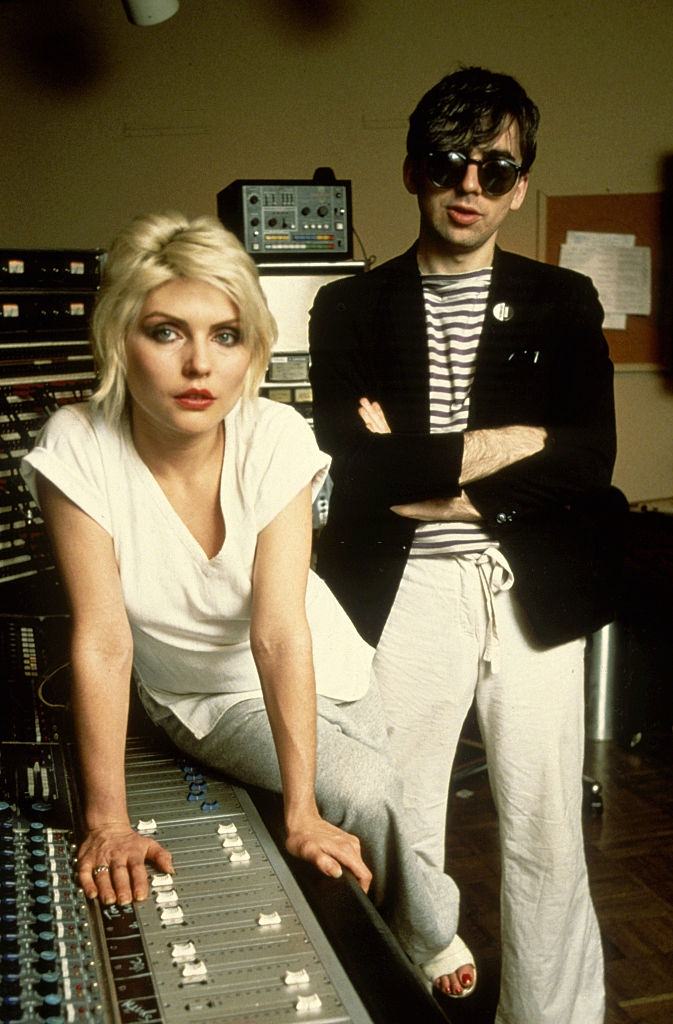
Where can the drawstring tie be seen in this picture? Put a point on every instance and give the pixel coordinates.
(495, 576)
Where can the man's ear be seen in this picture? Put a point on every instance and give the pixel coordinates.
(410, 175)
(519, 193)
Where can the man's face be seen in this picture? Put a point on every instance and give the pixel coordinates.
(461, 223)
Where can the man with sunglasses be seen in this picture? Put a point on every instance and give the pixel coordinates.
(465, 395)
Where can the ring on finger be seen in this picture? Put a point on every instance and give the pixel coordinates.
(100, 869)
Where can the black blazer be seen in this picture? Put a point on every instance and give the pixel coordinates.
(542, 360)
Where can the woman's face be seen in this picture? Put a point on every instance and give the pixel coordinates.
(186, 361)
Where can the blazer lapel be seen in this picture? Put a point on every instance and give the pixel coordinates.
(502, 343)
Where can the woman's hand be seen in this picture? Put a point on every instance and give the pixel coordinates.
(123, 852)
(328, 848)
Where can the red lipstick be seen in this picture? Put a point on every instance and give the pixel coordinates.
(195, 399)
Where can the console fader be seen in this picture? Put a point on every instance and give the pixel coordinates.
(229, 936)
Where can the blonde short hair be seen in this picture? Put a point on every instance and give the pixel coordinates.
(154, 249)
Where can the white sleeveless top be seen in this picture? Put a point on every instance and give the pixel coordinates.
(190, 615)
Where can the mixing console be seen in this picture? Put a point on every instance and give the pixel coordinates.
(228, 938)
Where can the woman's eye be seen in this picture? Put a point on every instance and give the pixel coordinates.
(163, 333)
(228, 338)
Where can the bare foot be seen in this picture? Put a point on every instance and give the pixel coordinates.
(452, 970)
(456, 983)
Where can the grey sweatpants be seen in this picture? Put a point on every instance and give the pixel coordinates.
(357, 789)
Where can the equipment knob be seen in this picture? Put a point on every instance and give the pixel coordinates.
(46, 940)
(46, 961)
(51, 1007)
(272, 222)
(10, 984)
(48, 983)
(41, 807)
(11, 1008)
(9, 942)
(41, 903)
(322, 211)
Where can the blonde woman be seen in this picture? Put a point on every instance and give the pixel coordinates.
(179, 507)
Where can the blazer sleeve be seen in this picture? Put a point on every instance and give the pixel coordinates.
(374, 470)
(579, 455)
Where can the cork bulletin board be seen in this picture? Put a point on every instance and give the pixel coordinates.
(647, 340)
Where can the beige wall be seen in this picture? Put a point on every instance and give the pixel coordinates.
(101, 119)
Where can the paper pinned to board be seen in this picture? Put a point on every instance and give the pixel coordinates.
(620, 270)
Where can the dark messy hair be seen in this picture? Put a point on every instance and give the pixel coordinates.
(469, 108)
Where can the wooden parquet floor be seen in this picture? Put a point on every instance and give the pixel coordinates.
(630, 857)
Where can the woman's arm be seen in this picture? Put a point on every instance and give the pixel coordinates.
(281, 646)
(101, 658)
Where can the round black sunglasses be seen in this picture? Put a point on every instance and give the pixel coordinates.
(497, 174)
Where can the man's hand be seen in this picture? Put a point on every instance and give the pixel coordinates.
(373, 416)
(444, 510)
(328, 848)
(116, 847)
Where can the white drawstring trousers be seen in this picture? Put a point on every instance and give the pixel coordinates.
(454, 634)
